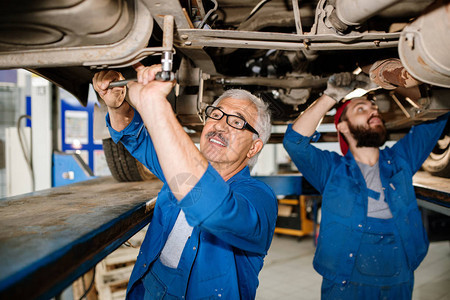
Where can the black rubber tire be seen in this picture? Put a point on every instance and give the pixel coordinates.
(438, 163)
(122, 165)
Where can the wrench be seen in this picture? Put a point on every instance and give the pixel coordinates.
(166, 58)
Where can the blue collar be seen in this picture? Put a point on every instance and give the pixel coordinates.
(242, 174)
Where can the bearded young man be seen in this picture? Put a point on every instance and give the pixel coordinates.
(208, 237)
(371, 233)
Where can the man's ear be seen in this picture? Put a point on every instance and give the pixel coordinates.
(342, 127)
(257, 145)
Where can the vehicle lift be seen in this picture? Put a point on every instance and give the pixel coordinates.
(50, 238)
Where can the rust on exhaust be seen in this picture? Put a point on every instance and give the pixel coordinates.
(390, 74)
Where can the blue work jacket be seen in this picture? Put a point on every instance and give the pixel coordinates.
(345, 196)
(233, 224)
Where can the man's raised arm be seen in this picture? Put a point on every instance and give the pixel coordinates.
(120, 112)
(338, 86)
(176, 152)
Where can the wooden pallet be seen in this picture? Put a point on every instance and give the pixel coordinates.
(112, 273)
(80, 286)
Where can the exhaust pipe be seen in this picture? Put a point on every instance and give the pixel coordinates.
(424, 46)
(349, 13)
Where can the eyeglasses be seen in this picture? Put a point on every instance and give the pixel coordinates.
(232, 120)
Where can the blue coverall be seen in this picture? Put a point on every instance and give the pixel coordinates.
(345, 228)
(233, 224)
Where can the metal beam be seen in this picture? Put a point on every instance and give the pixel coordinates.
(284, 41)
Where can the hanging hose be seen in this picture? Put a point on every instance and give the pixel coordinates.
(256, 8)
(86, 291)
(22, 145)
(216, 5)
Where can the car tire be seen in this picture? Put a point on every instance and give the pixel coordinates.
(122, 165)
(438, 163)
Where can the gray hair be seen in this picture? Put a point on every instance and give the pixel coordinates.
(263, 122)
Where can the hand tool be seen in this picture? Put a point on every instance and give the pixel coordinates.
(166, 57)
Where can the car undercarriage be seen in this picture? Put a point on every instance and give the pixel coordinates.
(281, 50)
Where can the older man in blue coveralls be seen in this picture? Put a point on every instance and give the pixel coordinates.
(371, 233)
(208, 237)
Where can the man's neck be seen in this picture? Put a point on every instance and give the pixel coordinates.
(227, 171)
(366, 155)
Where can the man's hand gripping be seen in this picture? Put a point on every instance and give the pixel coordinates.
(340, 85)
(147, 88)
(114, 97)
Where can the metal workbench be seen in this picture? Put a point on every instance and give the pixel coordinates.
(432, 192)
(50, 238)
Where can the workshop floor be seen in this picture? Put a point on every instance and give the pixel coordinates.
(288, 272)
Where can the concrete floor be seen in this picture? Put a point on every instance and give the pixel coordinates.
(288, 272)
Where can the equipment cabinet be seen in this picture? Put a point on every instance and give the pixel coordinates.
(297, 204)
